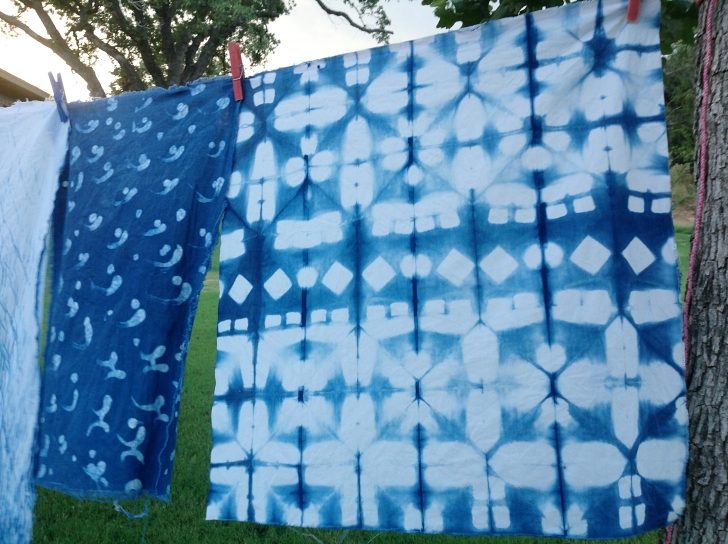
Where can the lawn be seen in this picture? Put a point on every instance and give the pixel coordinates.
(682, 237)
(62, 519)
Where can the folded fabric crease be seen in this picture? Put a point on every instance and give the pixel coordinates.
(449, 298)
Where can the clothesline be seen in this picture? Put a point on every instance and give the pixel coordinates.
(447, 286)
(702, 177)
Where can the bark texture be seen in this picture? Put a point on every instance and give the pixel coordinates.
(705, 520)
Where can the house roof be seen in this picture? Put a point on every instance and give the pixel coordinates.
(17, 89)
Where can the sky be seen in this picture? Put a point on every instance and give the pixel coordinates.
(307, 33)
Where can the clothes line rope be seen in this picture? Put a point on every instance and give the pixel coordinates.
(703, 170)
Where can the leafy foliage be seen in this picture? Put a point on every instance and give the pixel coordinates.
(678, 72)
(679, 17)
(154, 42)
(165, 42)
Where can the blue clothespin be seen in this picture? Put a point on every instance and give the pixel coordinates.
(59, 95)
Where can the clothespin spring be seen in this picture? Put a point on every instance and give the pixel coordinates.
(236, 67)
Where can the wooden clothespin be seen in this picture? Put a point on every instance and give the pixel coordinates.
(59, 95)
(633, 11)
(236, 67)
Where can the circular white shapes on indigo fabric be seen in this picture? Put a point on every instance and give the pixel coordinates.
(415, 265)
(306, 277)
(553, 254)
(532, 256)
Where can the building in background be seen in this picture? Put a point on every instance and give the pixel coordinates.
(13, 89)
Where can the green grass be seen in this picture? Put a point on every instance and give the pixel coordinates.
(62, 519)
(682, 238)
(682, 185)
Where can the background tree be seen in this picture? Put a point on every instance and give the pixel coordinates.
(705, 519)
(164, 42)
(677, 24)
(677, 73)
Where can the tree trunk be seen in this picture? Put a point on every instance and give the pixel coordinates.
(705, 520)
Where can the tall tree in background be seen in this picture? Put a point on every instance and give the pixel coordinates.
(678, 71)
(164, 42)
(705, 519)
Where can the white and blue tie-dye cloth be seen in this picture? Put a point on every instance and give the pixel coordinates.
(145, 193)
(449, 299)
(33, 145)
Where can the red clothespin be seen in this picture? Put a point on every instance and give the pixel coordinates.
(236, 67)
(633, 11)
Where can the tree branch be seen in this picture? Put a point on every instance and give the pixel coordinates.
(174, 50)
(126, 67)
(119, 17)
(145, 49)
(58, 45)
(207, 52)
(165, 14)
(14, 21)
(190, 57)
(176, 64)
(349, 20)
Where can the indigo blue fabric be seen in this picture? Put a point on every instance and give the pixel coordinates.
(146, 188)
(33, 144)
(449, 298)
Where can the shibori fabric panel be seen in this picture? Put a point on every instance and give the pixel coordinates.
(146, 189)
(33, 142)
(449, 299)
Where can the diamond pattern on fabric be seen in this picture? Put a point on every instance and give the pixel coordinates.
(278, 284)
(498, 265)
(378, 274)
(638, 255)
(455, 267)
(471, 327)
(240, 289)
(590, 255)
(337, 278)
